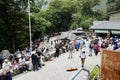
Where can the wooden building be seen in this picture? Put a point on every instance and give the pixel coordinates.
(108, 28)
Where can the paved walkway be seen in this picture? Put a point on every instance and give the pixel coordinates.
(56, 69)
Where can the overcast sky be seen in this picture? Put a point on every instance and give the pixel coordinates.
(45, 6)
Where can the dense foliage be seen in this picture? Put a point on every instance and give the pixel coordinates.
(113, 5)
(14, 23)
(60, 15)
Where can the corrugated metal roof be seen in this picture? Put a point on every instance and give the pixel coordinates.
(110, 25)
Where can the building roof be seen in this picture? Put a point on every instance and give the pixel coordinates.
(114, 12)
(98, 22)
(110, 25)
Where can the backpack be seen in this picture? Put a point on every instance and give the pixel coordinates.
(91, 45)
(71, 47)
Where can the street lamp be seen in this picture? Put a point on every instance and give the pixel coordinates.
(29, 26)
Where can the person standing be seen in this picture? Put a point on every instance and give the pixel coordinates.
(87, 43)
(115, 43)
(83, 57)
(77, 45)
(91, 47)
(71, 48)
(57, 47)
(39, 58)
(34, 61)
(96, 48)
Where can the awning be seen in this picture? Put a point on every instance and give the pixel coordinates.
(115, 32)
(101, 31)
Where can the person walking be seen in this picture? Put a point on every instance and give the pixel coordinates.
(83, 57)
(71, 48)
(96, 48)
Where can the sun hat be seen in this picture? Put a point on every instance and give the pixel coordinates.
(6, 60)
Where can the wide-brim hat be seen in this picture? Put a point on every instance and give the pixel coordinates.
(6, 60)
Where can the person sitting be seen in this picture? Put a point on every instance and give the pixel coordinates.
(15, 66)
(7, 70)
(23, 67)
(46, 54)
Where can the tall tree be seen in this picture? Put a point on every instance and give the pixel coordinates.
(113, 5)
(14, 22)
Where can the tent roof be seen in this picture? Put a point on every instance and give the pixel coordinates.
(110, 25)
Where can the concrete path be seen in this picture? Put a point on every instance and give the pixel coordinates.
(56, 69)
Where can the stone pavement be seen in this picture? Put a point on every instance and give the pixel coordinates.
(56, 69)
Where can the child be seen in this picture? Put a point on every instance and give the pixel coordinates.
(83, 57)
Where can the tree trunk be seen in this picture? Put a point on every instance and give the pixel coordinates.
(13, 38)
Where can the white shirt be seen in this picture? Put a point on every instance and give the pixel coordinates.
(87, 43)
(19, 55)
(110, 47)
(21, 61)
(6, 66)
(83, 55)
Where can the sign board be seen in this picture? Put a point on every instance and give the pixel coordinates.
(110, 65)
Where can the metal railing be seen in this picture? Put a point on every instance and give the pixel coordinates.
(88, 71)
(98, 67)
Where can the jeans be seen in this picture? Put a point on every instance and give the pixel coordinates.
(8, 76)
(35, 65)
(39, 62)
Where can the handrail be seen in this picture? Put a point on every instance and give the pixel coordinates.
(74, 76)
(89, 72)
(98, 67)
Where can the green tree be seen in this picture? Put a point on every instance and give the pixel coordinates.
(14, 22)
(40, 25)
(113, 5)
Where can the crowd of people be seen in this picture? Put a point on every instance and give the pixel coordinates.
(24, 61)
(19, 63)
(90, 46)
